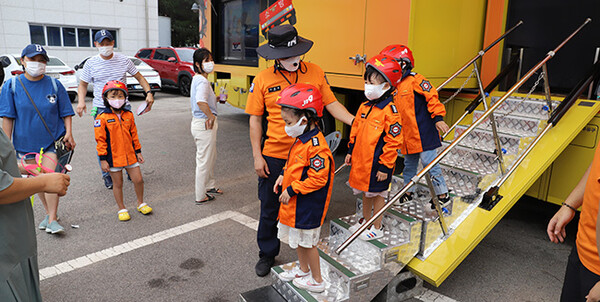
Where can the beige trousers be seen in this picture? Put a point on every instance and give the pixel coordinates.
(206, 156)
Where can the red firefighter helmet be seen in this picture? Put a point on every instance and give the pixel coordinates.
(400, 53)
(388, 67)
(114, 85)
(302, 96)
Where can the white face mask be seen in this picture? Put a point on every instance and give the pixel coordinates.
(297, 129)
(35, 69)
(208, 67)
(105, 51)
(373, 92)
(117, 104)
(290, 64)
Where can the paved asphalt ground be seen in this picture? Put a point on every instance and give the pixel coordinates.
(215, 262)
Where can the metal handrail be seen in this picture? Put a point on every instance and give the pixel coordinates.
(491, 196)
(479, 55)
(514, 63)
(444, 152)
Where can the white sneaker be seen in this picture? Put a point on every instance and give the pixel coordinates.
(309, 284)
(292, 274)
(372, 233)
(355, 227)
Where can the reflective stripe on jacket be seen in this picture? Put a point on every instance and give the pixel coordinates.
(420, 108)
(117, 139)
(307, 177)
(374, 141)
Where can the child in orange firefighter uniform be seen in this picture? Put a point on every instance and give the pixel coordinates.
(118, 146)
(374, 141)
(422, 121)
(305, 183)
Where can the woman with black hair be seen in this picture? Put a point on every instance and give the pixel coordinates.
(204, 126)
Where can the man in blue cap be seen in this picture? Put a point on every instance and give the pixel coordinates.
(107, 66)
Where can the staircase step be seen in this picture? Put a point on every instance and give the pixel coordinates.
(336, 288)
(482, 139)
(477, 161)
(517, 106)
(262, 294)
(521, 126)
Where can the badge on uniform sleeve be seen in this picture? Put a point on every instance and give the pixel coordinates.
(425, 85)
(315, 141)
(394, 109)
(252, 88)
(97, 123)
(317, 163)
(395, 129)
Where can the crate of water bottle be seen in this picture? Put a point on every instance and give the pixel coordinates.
(521, 126)
(533, 108)
(480, 162)
(484, 140)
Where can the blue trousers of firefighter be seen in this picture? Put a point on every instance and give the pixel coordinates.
(268, 243)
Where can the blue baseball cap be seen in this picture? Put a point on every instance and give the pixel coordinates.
(103, 34)
(33, 50)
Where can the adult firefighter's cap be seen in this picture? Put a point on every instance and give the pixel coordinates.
(284, 42)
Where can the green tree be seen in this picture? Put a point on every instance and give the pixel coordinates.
(184, 21)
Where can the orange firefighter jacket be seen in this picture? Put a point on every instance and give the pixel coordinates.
(374, 140)
(420, 108)
(117, 138)
(308, 178)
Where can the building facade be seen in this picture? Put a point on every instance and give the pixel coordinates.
(66, 27)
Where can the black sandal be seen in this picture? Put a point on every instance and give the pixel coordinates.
(215, 191)
(207, 199)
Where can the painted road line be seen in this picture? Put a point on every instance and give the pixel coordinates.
(129, 246)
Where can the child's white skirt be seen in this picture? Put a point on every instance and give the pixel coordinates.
(383, 194)
(298, 237)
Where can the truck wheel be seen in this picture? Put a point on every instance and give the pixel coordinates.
(184, 85)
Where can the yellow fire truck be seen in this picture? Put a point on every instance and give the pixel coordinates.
(443, 35)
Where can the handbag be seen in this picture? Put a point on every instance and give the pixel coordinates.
(63, 153)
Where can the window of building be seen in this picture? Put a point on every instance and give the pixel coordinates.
(69, 38)
(36, 33)
(240, 20)
(53, 36)
(145, 54)
(66, 36)
(83, 37)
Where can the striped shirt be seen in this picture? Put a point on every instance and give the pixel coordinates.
(99, 71)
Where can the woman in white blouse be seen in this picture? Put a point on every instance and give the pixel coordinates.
(204, 126)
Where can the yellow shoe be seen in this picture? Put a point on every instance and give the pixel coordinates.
(124, 215)
(144, 208)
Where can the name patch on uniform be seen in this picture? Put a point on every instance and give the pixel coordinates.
(252, 88)
(394, 110)
(317, 163)
(97, 123)
(362, 115)
(112, 120)
(395, 129)
(425, 85)
(315, 141)
(273, 89)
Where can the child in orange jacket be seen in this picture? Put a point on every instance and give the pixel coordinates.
(422, 121)
(305, 183)
(374, 141)
(118, 146)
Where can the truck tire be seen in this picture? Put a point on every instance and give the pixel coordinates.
(184, 84)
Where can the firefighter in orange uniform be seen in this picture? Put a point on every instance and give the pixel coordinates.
(286, 48)
(306, 182)
(422, 121)
(374, 141)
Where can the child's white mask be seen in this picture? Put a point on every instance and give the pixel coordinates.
(373, 92)
(297, 129)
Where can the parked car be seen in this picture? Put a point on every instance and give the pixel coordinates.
(174, 64)
(55, 68)
(133, 85)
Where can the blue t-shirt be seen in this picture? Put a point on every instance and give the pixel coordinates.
(200, 91)
(29, 133)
